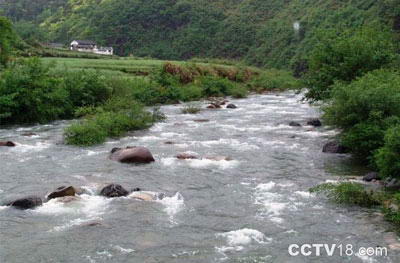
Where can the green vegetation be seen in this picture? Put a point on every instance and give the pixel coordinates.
(342, 57)
(108, 94)
(348, 193)
(7, 37)
(272, 33)
(364, 110)
(387, 157)
(113, 119)
(30, 92)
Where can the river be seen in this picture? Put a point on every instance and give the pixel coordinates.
(248, 209)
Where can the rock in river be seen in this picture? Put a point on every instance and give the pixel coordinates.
(8, 144)
(231, 106)
(184, 156)
(314, 122)
(334, 147)
(132, 155)
(26, 202)
(61, 192)
(371, 176)
(294, 124)
(114, 190)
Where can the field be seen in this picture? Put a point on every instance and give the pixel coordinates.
(119, 66)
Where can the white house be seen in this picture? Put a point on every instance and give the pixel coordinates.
(91, 47)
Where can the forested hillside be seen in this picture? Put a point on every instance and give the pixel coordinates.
(262, 32)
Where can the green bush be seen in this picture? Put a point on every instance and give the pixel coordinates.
(84, 134)
(344, 56)
(238, 91)
(113, 119)
(273, 80)
(388, 157)
(191, 92)
(29, 94)
(86, 88)
(215, 86)
(364, 110)
(7, 39)
(348, 193)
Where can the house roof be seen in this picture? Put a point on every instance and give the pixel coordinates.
(85, 42)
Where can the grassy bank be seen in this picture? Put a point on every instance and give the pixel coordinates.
(356, 194)
(109, 95)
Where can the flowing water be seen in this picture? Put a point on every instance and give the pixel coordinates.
(248, 209)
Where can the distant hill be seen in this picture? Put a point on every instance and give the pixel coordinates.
(262, 32)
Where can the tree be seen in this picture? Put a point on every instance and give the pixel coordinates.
(7, 37)
(343, 57)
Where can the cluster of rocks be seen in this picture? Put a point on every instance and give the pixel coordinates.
(217, 104)
(311, 122)
(329, 147)
(70, 193)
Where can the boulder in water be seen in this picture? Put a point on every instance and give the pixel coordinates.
(213, 106)
(334, 147)
(68, 199)
(184, 156)
(218, 158)
(371, 176)
(294, 124)
(62, 191)
(314, 122)
(132, 155)
(26, 202)
(143, 196)
(8, 144)
(114, 190)
(231, 106)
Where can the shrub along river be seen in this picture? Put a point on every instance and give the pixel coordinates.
(247, 209)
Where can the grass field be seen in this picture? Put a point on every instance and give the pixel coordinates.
(119, 66)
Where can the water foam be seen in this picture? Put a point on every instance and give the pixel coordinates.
(200, 163)
(123, 250)
(87, 207)
(304, 194)
(173, 205)
(238, 239)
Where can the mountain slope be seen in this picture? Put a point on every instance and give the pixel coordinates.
(263, 32)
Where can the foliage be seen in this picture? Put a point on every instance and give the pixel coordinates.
(113, 119)
(348, 193)
(260, 32)
(7, 37)
(85, 87)
(213, 86)
(344, 56)
(84, 134)
(273, 80)
(388, 157)
(364, 110)
(28, 94)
